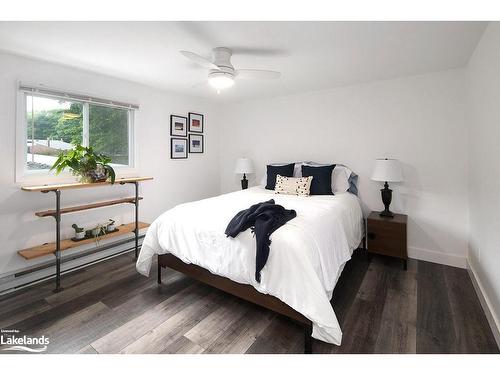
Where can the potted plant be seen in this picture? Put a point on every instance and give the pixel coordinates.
(111, 226)
(96, 232)
(86, 164)
(79, 232)
(99, 230)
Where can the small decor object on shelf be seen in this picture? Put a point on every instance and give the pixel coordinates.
(86, 164)
(195, 122)
(387, 170)
(178, 148)
(178, 126)
(99, 230)
(111, 226)
(244, 166)
(195, 143)
(79, 233)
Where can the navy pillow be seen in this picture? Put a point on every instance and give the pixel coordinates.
(274, 170)
(322, 179)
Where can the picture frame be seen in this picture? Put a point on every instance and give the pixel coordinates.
(178, 126)
(195, 122)
(178, 148)
(196, 145)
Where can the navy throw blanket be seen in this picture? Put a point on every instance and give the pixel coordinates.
(264, 218)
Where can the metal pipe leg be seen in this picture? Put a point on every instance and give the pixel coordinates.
(308, 339)
(136, 230)
(58, 241)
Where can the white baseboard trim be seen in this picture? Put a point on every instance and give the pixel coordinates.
(437, 257)
(488, 309)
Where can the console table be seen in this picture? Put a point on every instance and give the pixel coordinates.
(60, 245)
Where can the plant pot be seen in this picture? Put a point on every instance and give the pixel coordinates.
(100, 174)
(80, 235)
(110, 228)
(94, 232)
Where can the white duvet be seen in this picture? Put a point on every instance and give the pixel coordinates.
(306, 256)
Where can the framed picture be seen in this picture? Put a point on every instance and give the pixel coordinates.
(195, 143)
(195, 122)
(178, 126)
(178, 148)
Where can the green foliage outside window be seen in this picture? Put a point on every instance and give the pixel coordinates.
(108, 132)
(108, 128)
(59, 124)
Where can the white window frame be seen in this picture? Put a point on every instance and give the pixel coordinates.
(23, 175)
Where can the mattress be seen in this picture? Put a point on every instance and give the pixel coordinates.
(307, 254)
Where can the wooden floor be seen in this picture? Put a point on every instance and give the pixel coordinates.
(109, 308)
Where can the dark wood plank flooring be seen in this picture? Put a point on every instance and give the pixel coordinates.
(110, 308)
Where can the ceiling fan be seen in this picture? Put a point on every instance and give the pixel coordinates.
(221, 74)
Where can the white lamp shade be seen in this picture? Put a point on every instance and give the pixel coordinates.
(387, 170)
(243, 165)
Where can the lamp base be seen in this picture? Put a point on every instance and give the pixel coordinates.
(244, 182)
(386, 200)
(386, 213)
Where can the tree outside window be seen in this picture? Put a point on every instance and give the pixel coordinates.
(55, 125)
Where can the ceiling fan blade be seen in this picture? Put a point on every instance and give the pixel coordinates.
(199, 60)
(257, 74)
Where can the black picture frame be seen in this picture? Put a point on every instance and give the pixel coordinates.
(191, 151)
(184, 120)
(195, 116)
(172, 153)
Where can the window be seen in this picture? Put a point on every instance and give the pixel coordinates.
(108, 132)
(53, 125)
(56, 121)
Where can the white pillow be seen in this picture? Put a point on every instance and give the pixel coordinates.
(293, 186)
(340, 179)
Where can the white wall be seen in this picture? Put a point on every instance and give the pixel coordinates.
(483, 87)
(175, 181)
(418, 120)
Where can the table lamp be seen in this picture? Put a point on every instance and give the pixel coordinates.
(387, 170)
(244, 166)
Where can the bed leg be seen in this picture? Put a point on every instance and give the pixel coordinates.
(159, 273)
(308, 339)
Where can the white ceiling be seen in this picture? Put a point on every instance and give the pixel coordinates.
(310, 55)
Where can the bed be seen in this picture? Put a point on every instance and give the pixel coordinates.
(307, 254)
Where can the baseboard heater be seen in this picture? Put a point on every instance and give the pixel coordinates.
(71, 258)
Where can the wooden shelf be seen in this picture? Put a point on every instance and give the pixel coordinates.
(80, 185)
(50, 248)
(84, 207)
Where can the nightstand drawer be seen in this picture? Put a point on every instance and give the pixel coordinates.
(387, 238)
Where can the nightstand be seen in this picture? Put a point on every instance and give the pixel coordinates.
(387, 235)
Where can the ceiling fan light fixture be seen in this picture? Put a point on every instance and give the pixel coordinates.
(221, 73)
(220, 80)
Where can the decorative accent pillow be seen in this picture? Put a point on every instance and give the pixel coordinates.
(293, 186)
(274, 170)
(322, 182)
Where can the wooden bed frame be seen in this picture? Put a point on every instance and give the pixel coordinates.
(243, 291)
